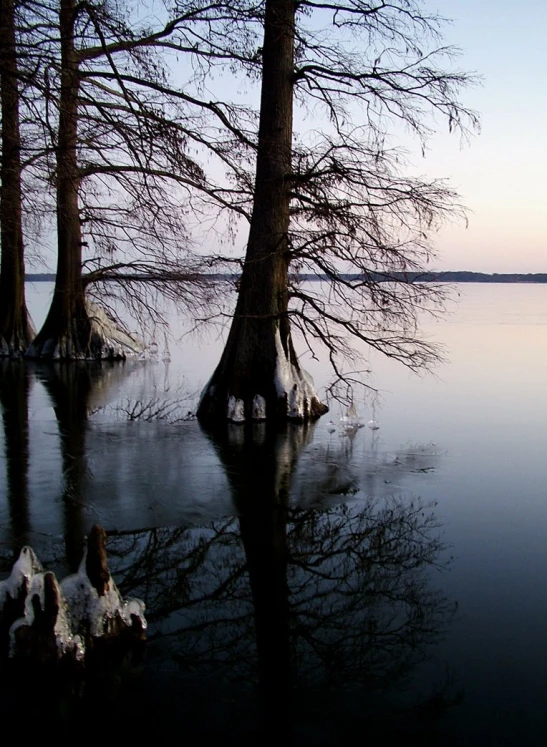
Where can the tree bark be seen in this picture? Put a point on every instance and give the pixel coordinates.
(66, 332)
(258, 376)
(15, 327)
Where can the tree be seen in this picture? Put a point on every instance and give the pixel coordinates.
(113, 161)
(68, 331)
(122, 176)
(337, 203)
(16, 329)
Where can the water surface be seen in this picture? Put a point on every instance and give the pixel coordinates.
(306, 581)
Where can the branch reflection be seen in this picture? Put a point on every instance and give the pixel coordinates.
(284, 622)
(303, 602)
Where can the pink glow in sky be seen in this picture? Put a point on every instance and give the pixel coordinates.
(502, 174)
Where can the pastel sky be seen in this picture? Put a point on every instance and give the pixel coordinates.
(502, 174)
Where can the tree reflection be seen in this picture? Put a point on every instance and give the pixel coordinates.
(301, 600)
(319, 590)
(14, 394)
(75, 389)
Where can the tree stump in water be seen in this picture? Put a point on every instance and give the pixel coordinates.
(83, 621)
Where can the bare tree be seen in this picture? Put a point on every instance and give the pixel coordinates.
(123, 176)
(15, 325)
(333, 202)
(337, 202)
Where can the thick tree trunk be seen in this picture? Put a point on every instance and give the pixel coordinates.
(15, 327)
(67, 331)
(258, 376)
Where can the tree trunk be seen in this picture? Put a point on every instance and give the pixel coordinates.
(15, 327)
(258, 375)
(66, 332)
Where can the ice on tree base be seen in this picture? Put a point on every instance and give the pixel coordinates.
(107, 341)
(270, 387)
(296, 387)
(44, 622)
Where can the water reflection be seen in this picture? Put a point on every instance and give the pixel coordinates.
(291, 618)
(14, 394)
(75, 389)
(323, 609)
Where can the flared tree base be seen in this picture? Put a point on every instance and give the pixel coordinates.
(272, 387)
(93, 336)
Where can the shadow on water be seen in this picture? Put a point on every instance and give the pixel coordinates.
(14, 394)
(299, 618)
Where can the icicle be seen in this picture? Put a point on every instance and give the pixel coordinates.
(259, 408)
(236, 410)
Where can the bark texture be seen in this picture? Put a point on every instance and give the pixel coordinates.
(15, 326)
(259, 360)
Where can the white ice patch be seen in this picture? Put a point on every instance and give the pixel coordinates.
(259, 408)
(236, 410)
(24, 569)
(296, 385)
(351, 421)
(66, 642)
(86, 606)
(115, 342)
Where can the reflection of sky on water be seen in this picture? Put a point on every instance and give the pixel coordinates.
(472, 439)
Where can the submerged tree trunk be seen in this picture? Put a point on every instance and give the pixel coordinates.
(67, 330)
(258, 376)
(15, 327)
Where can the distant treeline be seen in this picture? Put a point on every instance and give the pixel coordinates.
(461, 276)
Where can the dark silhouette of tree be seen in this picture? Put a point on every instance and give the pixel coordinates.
(16, 329)
(123, 177)
(337, 201)
(302, 602)
(71, 388)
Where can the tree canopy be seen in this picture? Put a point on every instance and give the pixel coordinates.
(155, 122)
(335, 198)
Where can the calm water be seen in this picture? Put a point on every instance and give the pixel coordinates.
(317, 586)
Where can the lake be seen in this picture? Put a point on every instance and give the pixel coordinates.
(307, 584)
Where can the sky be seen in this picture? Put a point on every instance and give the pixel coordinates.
(501, 174)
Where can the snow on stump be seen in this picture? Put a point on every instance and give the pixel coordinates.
(82, 622)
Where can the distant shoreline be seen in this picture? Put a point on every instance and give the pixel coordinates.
(461, 276)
